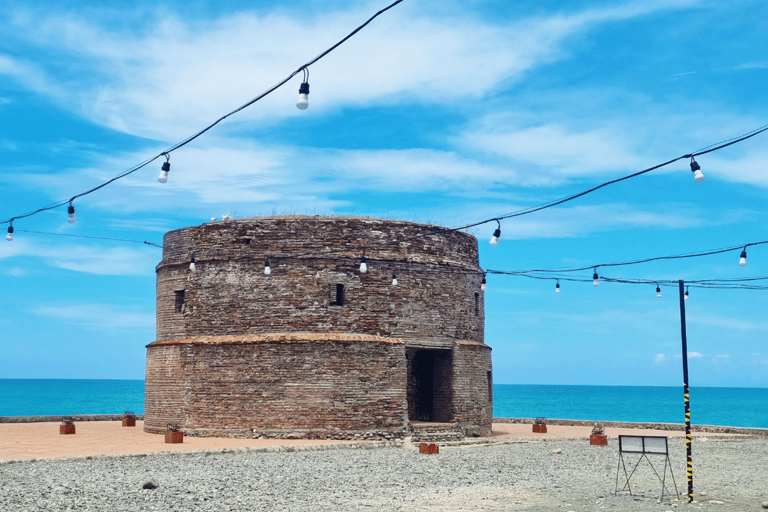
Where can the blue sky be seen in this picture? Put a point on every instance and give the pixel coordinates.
(439, 111)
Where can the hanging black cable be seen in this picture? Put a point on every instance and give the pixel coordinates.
(201, 132)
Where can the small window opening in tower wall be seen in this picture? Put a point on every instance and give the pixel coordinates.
(337, 295)
(179, 305)
(477, 304)
(490, 386)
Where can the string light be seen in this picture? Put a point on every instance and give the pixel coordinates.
(267, 268)
(394, 279)
(743, 258)
(496, 234)
(557, 287)
(303, 102)
(483, 284)
(71, 212)
(595, 278)
(9, 236)
(686, 293)
(363, 265)
(658, 291)
(192, 265)
(696, 168)
(165, 169)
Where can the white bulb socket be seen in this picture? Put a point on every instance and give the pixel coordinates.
(303, 102)
(267, 269)
(743, 259)
(71, 212)
(557, 288)
(164, 172)
(658, 293)
(685, 297)
(495, 238)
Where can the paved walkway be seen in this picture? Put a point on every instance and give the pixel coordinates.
(42, 440)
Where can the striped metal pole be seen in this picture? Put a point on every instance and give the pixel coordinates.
(685, 391)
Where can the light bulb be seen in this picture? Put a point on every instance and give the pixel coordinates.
(686, 294)
(192, 265)
(303, 102)
(495, 238)
(363, 265)
(696, 168)
(267, 268)
(743, 259)
(658, 292)
(595, 279)
(483, 285)
(394, 279)
(9, 236)
(164, 172)
(71, 212)
(557, 288)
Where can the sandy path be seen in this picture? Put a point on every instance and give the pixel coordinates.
(42, 440)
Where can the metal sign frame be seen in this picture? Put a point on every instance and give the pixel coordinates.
(644, 445)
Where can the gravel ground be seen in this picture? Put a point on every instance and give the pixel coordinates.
(520, 476)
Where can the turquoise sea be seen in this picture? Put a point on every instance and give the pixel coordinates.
(743, 407)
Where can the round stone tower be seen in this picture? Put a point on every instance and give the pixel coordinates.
(317, 348)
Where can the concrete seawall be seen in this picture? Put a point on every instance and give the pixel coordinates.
(75, 417)
(715, 429)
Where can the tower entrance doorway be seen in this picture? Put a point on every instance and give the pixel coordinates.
(429, 385)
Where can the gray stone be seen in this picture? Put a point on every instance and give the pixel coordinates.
(150, 484)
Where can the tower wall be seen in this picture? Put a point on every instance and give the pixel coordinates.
(316, 348)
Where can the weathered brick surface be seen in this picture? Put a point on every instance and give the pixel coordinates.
(229, 293)
(285, 382)
(239, 351)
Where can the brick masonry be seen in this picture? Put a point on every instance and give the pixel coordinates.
(241, 353)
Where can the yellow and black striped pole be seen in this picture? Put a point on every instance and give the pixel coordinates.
(685, 391)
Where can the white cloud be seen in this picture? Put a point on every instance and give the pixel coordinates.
(98, 316)
(694, 355)
(753, 65)
(748, 167)
(92, 259)
(659, 359)
(170, 76)
(738, 324)
(551, 153)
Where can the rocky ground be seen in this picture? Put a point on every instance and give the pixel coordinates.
(731, 474)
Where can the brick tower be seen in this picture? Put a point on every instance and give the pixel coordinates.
(317, 348)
